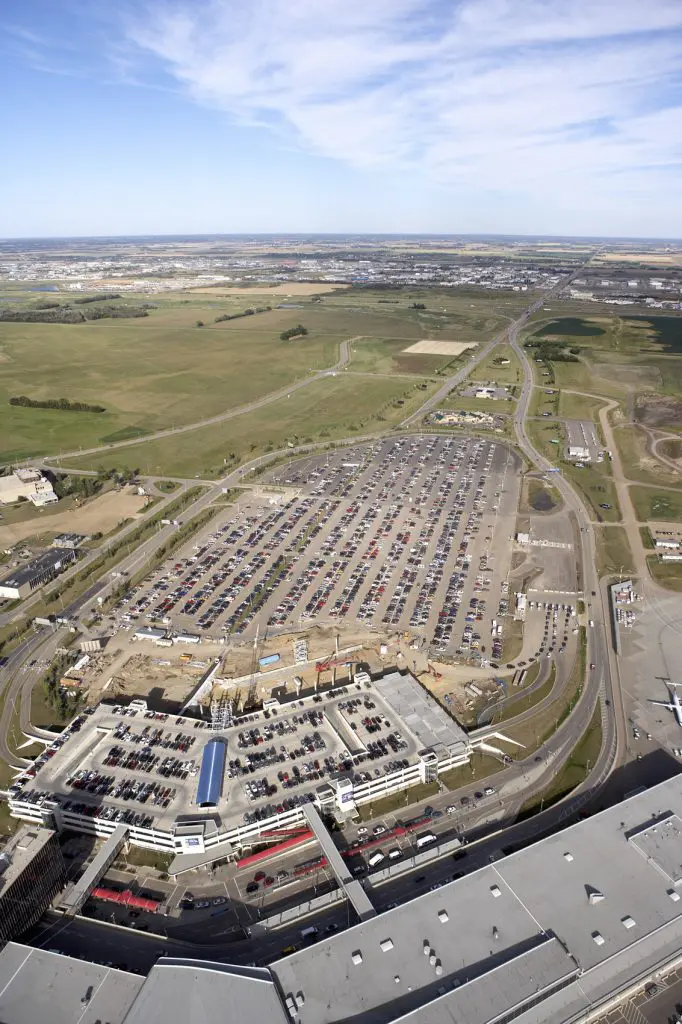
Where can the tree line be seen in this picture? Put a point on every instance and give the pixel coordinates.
(54, 403)
(294, 332)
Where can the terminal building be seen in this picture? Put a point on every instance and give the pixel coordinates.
(562, 931)
(40, 570)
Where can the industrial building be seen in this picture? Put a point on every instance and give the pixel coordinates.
(40, 570)
(29, 484)
(561, 931)
(32, 872)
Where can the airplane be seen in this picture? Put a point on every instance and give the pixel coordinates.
(673, 704)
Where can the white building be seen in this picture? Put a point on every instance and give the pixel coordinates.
(26, 483)
(668, 544)
(578, 452)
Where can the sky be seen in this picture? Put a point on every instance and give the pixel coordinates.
(420, 116)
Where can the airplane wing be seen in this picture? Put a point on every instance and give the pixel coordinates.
(663, 704)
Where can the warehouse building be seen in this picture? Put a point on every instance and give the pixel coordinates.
(40, 570)
(29, 484)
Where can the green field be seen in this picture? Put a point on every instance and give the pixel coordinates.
(162, 370)
(578, 407)
(330, 408)
(491, 370)
(595, 484)
(387, 355)
(652, 504)
(668, 574)
(613, 550)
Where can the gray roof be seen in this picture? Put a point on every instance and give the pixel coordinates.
(197, 992)
(45, 561)
(37, 986)
(600, 898)
(427, 720)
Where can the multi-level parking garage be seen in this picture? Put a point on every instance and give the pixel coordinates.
(159, 774)
(408, 533)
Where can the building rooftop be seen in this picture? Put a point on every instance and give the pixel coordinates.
(19, 852)
(49, 559)
(205, 993)
(431, 725)
(601, 898)
(36, 985)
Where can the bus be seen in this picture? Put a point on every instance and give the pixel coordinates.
(425, 839)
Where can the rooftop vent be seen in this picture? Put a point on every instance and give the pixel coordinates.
(593, 895)
(568, 857)
(495, 890)
(386, 945)
(598, 938)
(674, 895)
(628, 922)
(356, 957)
(443, 916)
(427, 948)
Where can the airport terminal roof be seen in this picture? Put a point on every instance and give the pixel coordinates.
(36, 985)
(427, 720)
(602, 899)
(195, 991)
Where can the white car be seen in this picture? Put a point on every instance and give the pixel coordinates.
(489, 791)
(362, 831)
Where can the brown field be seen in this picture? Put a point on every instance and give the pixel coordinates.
(291, 288)
(659, 259)
(99, 516)
(427, 347)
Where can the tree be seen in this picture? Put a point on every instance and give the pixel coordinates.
(200, 323)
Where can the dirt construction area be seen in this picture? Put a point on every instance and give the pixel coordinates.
(439, 348)
(98, 516)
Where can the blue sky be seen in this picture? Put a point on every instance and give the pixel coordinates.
(504, 116)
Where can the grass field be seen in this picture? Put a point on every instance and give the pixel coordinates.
(330, 408)
(668, 574)
(595, 484)
(387, 355)
(613, 550)
(637, 463)
(657, 505)
(576, 769)
(577, 407)
(163, 370)
(490, 370)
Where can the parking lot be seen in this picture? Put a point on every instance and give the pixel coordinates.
(409, 533)
(583, 434)
(139, 767)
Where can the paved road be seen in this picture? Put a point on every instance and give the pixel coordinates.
(599, 646)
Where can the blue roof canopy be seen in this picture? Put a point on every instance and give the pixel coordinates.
(211, 774)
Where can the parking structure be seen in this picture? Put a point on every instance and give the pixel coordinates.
(126, 765)
(407, 533)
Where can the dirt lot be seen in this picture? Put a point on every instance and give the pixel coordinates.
(292, 288)
(97, 516)
(440, 348)
(658, 411)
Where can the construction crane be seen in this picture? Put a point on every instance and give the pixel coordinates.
(252, 696)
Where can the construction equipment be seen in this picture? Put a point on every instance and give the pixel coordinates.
(252, 696)
(434, 672)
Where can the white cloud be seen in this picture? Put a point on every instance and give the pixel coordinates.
(538, 95)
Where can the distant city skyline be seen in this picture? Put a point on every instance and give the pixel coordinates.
(552, 118)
